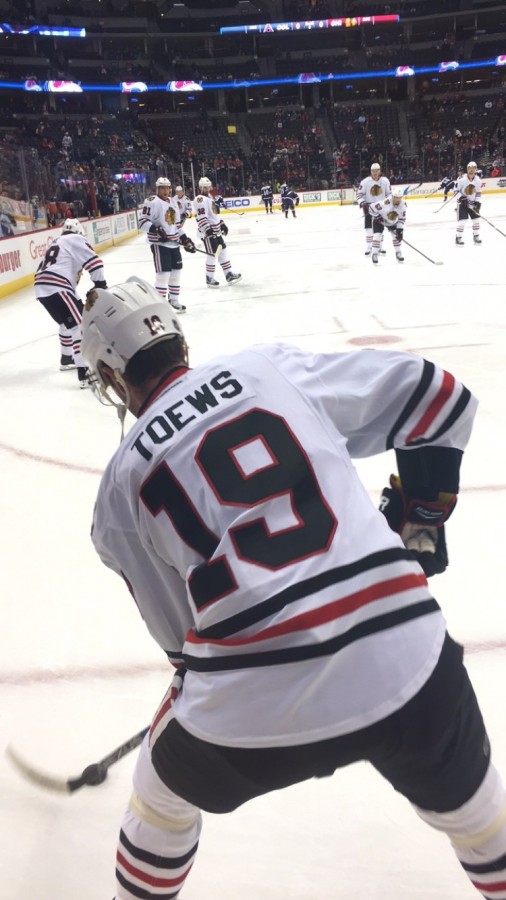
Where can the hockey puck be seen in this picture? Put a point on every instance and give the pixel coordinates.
(94, 774)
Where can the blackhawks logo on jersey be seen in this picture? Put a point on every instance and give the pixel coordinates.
(392, 216)
(376, 190)
(469, 190)
(170, 216)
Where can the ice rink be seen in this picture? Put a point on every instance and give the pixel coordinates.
(79, 673)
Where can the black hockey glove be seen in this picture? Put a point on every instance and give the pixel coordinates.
(297, 201)
(398, 234)
(101, 284)
(420, 524)
(160, 231)
(365, 207)
(224, 227)
(463, 201)
(187, 243)
(477, 206)
(209, 232)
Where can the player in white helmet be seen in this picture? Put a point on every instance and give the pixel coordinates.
(212, 230)
(302, 627)
(372, 189)
(185, 204)
(468, 190)
(56, 282)
(389, 214)
(160, 219)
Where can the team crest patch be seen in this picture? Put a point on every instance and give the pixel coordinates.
(151, 198)
(470, 190)
(170, 216)
(376, 190)
(392, 216)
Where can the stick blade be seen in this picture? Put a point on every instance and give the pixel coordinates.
(36, 776)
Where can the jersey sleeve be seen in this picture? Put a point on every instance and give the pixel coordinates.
(381, 400)
(156, 587)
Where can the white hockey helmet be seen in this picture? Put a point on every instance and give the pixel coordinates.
(397, 193)
(120, 321)
(205, 184)
(162, 182)
(375, 167)
(72, 226)
(179, 189)
(472, 165)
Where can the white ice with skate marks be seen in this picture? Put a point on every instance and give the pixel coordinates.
(79, 674)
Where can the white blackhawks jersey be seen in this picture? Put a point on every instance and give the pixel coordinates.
(371, 191)
(162, 214)
(234, 513)
(185, 206)
(207, 213)
(469, 188)
(389, 213)
(62, 263)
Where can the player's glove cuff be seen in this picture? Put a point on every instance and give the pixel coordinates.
(224, 227)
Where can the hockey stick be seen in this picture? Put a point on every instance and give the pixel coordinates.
(92, 775)
(411, 187)
(479, 216)
(433, 261)
(444, 203)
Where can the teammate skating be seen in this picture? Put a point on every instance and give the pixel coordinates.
(389, 214)
(56, 282)
(212, 230)
(160, 219)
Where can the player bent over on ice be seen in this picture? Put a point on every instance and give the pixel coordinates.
(303, 631)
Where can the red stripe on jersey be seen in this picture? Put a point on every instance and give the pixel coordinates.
(166, 705)
(439, 401)
(146, 878)
(490, 888)
(328, 613)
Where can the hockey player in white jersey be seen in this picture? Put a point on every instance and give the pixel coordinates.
(468, 190)
(301, 624)
(389, 214)
(372, 189)
(185, 204)
(160, 219)
(56, 282)
(212, 230)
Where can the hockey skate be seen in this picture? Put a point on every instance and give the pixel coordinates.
(66, 362)
(178, 307)
(477, 239)
(383, 252)
(212, 283)
(232, 277)
(459, 242)
(82, 376)
(375, 258)
(399, 256)
(368, 251)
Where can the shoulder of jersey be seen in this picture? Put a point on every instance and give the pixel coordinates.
(151, 198)
(199, 199)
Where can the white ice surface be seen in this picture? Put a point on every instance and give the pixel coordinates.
(78, 672)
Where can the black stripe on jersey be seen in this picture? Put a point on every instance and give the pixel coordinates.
(457, 410)
(141, 891)
(154, 859)
(425, 381)
(295, 592)
(494, 865)
(286, 655)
